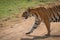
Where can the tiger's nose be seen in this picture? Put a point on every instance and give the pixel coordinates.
(26, 17)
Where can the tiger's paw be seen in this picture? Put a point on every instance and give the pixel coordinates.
(47, 35)
(29, 32)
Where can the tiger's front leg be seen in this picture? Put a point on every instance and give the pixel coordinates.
(37, 22)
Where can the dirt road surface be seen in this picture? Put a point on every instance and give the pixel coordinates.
(18, 30)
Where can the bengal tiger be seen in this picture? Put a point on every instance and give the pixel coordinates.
(54, 13)
(46, 15)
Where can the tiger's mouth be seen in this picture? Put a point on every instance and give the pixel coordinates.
(25, 16)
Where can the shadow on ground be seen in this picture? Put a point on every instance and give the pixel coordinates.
(40, 37)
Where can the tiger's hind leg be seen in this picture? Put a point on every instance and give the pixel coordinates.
(47, 23)
(37, 22)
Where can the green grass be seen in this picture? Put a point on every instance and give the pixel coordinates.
(9, 7)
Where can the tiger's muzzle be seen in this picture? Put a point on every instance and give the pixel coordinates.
(25, 15)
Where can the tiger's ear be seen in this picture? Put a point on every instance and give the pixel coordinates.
(29, 9)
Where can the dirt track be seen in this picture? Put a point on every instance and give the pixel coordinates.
(18, 31)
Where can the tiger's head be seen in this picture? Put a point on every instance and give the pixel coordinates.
(26, 14)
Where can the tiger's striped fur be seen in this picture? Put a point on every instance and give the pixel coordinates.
(46, 15)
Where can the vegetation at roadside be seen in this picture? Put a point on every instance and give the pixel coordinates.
(10, 7)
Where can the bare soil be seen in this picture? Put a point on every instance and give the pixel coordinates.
(16, 29)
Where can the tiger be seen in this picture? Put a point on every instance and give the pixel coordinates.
(42, 14)
(54, 13)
